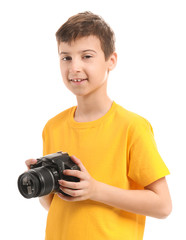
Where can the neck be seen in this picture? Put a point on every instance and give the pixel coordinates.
(91, 107)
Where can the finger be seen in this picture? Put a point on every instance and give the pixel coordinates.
(72, 192)
(66, 198)
(78, 162)
(75, 173)
(68, 184)
(69, 199)
(30, 162)
(72, 185)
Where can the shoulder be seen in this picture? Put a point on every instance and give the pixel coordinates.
(134, 125)
(133, 120)
(59, 118)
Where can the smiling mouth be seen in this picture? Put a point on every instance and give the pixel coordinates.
(78, 80)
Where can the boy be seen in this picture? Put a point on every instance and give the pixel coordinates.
(122, 177)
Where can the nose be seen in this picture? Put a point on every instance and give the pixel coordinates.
(76, 65)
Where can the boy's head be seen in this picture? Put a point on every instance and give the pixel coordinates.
(87, 24)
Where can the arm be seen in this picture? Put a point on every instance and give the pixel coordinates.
(153, 201)
(46, 201)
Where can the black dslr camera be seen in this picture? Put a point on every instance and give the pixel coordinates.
(42, 178)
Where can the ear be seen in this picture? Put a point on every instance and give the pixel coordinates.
(112, 61)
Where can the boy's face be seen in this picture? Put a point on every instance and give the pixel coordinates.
(83, 66)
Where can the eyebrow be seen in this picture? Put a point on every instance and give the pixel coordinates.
(87, 50)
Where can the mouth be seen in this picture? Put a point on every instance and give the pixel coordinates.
(78, 80)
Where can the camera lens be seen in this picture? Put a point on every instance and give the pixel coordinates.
(36, 182)
(28, 185)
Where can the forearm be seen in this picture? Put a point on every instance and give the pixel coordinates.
(143, 202)
(154, 200)
(46, 201)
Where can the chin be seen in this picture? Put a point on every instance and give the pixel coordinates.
(78, 94)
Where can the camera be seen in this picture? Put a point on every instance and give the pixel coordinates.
(42, 178)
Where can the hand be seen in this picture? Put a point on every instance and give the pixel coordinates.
(30, 162)
(78, 191)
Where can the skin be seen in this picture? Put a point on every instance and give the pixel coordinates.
(83, 59)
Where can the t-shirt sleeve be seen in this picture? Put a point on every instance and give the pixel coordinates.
(145, 163)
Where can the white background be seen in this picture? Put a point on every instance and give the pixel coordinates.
(149, 80)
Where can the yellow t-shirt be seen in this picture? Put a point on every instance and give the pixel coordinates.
(117, 149)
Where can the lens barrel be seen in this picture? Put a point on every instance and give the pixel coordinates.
(36, 182)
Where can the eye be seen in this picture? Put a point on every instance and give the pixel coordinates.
(66, 58)
(87, 56)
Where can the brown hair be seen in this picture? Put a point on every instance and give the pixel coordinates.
(86, 24)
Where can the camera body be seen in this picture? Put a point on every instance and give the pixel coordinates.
(42, 178)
